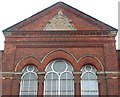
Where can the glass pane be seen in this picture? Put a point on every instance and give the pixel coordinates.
(48, 85)
(70, 85)
(29, 83)
(51, 84)
(84, 85)
(59, 66)
(85, 76)
(47, 94)
(69, 67)
(63, 85)
(30, 68)
(63, 76)
(67, 84)
(51, 87)
(51, 75)
(59, 79)
(48, 68)
(25, 85)
(33, 76)
(88, 68)
(92, 76)
(54, 85)
(93, 84)
(89, 83)
(62, 93)
(33, 86)
(89, 75)
(26, 76)
(69, 76)
(66, 75)
(24, 93)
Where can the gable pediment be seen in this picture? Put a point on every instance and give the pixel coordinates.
(64, 16)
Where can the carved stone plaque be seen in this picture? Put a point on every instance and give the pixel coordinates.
(60, 22)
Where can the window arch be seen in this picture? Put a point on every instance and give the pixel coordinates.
(59, 79)
(29, 82)
(89, 82)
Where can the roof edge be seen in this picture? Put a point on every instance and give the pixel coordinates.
(60, 2)
(7, 29)
(114, 29)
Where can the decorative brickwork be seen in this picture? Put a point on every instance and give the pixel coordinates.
(92, 42)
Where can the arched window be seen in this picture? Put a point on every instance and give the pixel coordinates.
(29, 82)
(89, 82)
(59, 79)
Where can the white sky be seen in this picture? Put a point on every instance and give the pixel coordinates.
(14, 11)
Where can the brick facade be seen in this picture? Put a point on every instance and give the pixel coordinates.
(1, 56)
(92, 43)
(118, 53)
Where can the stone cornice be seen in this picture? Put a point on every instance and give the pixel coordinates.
(78, 41)
(71, 32)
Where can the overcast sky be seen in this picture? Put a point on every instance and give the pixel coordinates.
(14, 11)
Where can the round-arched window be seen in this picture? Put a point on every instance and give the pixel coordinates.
(59, 79)
(29, 81)
(89, 82)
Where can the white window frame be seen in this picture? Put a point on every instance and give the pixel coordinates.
(59, 75)
(26, 71)
(92, 92)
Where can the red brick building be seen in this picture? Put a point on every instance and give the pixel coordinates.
(60, 51)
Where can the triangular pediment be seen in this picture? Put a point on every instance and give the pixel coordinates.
(64, 16)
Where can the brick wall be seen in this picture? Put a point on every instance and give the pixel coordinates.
(1, 56)
(40, 49)
(92, 43)
(118, 53)
(1, 71)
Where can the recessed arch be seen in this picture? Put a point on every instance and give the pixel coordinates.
(59, 49)
(58, 54)
(90, 59)
(26, 61)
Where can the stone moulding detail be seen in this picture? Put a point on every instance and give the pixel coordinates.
(60, 32)
(90, 55)
(41, 61)
(60, 49)
(30, 56)
(75, 72)
(60, 22)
